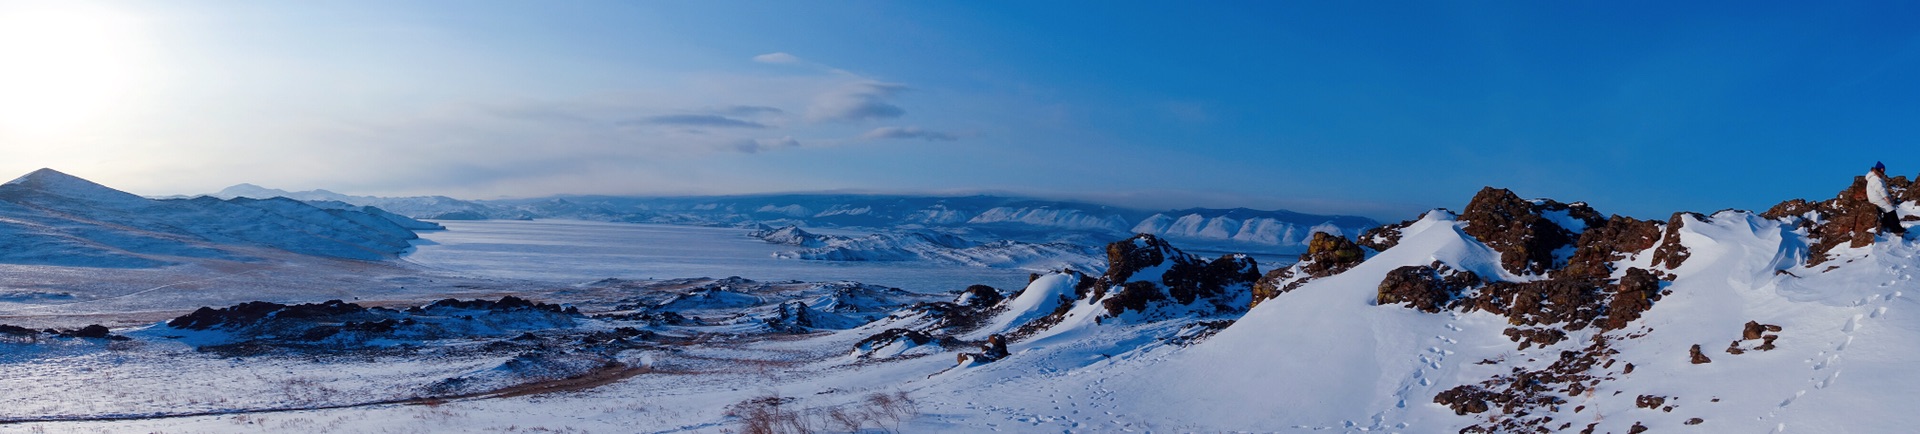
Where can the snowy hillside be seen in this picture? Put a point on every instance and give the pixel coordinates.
(51, 218)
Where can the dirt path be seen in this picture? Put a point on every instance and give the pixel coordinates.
(605, 375)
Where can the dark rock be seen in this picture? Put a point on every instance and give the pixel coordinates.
(1649, 401)
(1575, 302)
(980, 296)
(1428, 288)
(1671, 253)
(1609, 242)
(1766, 343)
(1696, 357)
(1848, 219)
(1129, 256)
(1637, 428)
(505, 304)
(1518, 230)
(254, 312)
(1753, 330)
(1694, 421)
(1381, 238)
(1134, 295)
(1326, 255)
(95, 331)
(17, 330)
(1221, 283)
(1633, 295)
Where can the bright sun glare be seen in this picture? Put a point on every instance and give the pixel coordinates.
(61, 66)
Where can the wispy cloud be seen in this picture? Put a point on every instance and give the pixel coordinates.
(908, 133)
(750, 110)
(755, 146)
(777, 58)
(715, 121)
(865, 100)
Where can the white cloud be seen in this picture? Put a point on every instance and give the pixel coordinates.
(777, 58)
(859, 101)
(908, 133)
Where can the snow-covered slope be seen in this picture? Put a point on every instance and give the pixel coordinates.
(51, 218)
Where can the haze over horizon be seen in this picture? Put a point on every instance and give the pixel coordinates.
(1381, 110)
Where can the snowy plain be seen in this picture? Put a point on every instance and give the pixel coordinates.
(581, 251)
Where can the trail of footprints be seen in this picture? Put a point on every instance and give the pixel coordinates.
(1826, 363)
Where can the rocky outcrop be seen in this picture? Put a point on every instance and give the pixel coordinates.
(1381, 238)
(1326, 255)
(253, 312)
(1522, 231)
(1222, 285)
(979, 296)
(1611, 241)
(1633, 295)
(1671, 253)
(1845, 220)
(1429, 288)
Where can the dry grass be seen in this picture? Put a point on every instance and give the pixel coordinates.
(774, 414)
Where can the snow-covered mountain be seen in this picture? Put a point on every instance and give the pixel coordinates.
(51, 218)
(935, 247)
(979, 217)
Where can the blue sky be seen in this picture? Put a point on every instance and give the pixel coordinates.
(1374, 108)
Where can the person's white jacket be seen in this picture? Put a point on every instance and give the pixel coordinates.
(1877, 192)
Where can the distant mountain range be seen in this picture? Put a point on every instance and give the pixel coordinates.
(977, 217)
(51, 218)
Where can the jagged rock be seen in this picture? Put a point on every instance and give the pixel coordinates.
(979, 296)
(1671, 252)
(1326, 255)
(1129, 256)
(507, 303)
(792, 318)
(1573, 301)
(890, 336)
(252, 312)
(1428, 288)
(17, 330)
(95, 331)
(1221, 283)
(1694, 355)
(1694, 421)
(1634, 294)
(1381, 238)
(1133, 295)
(1649, 401)
(1609, 242)
(1847, 219)
(1516, 228)
(1766, 343)
(1754, 330)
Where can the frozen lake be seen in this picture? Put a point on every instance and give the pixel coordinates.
(582, 251)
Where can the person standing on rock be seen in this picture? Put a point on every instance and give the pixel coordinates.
(1877, 195)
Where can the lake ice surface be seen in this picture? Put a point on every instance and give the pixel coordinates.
(582, 251)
